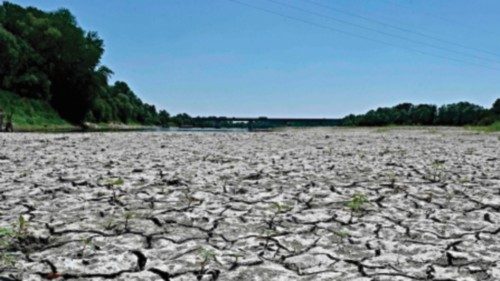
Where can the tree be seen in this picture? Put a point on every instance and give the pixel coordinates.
(163, 118)
(459, 114)
(57, 55)
(403, 113)
(496, 108)
(46, 55)
(423, 114)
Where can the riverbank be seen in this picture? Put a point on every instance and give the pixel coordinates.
(30, 114)
(88, 127)
(116, 127)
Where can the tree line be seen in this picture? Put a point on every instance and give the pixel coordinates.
(47, 56)
(456, 114)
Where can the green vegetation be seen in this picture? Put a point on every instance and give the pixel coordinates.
(128, 217)
(495, 127)
(357, 202)
(46, 58)
(11, 238)
(342, 233)
(280, 208)
(405, 114)
(86, 245)
(7, 237)
(205, 256)
(29, 114)
(111, 182)
(436, 173)
(456, 114)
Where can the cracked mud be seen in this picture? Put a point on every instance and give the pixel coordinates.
(319, 204)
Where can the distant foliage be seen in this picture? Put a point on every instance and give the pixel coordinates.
(456, 114)
(462, 113)
(118, 103)
(47, 56)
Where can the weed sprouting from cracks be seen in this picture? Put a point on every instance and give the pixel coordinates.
(357, 201)
(206, 256)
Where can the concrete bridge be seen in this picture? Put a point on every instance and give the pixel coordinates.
(254, 122)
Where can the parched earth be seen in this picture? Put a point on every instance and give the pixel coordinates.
(318, 204)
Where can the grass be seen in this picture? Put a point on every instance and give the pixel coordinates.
(495, 127)
(31, 115)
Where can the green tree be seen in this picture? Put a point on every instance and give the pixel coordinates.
(163, 118)
(46, 55)
(496, 108)
(459, 114)
(423, 114)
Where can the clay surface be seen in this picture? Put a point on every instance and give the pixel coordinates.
(316, 204)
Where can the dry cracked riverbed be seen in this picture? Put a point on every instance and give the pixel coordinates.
(319, 204)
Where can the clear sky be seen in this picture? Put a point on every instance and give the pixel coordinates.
(219, 57)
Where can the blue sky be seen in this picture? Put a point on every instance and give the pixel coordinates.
(218, 57)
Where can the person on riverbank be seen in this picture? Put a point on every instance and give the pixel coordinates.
(1, 120)
(9, 127)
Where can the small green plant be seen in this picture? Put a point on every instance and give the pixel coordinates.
(114, 182)
(9, 238)
(357, 201)
(236, 257)
(280, 207)
(22, 230)
(128, 216)
(342, 233)
(18, 231)
(119, 182)
(5, 235)
(206, 256)
(7, 260)
(463, 180)
(436, 174)
(109, 224)
(267, 234)
(6, 239)
(391, 176)
(86, 244)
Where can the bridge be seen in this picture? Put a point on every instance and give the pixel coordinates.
(264, 122)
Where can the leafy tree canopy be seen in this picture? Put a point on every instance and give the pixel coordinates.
(456, 114)
(47, 56)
